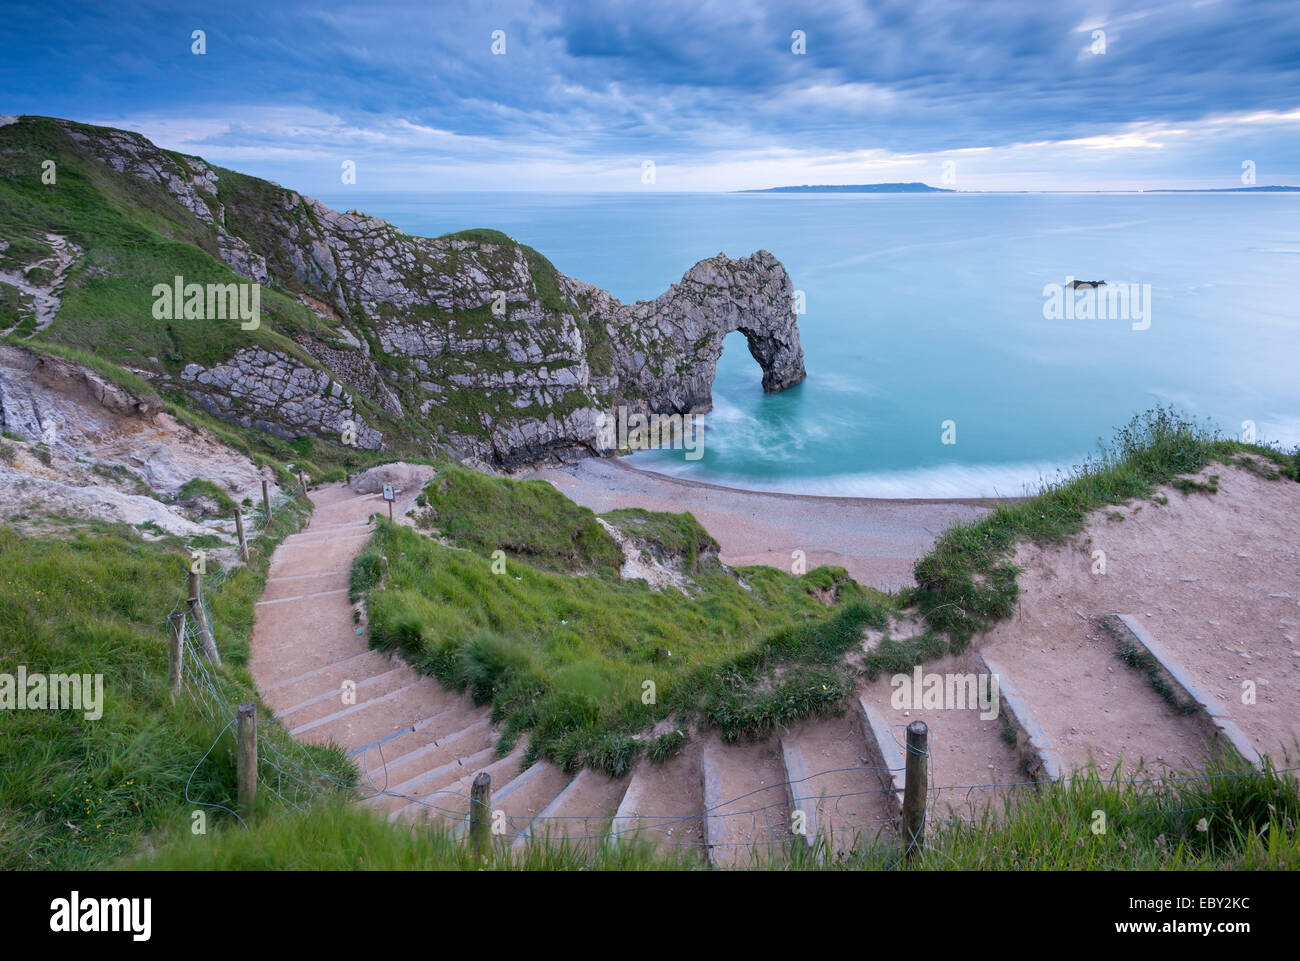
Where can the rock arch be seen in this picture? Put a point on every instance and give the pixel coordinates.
(667, 351)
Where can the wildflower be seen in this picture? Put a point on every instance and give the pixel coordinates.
(1203, 825)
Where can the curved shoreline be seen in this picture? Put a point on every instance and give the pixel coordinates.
(838, 498)
(877, 540)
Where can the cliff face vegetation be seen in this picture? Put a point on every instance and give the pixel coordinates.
(470, 341)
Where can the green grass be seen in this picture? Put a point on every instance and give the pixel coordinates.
(667, 536)
(76, 793)
(338, 837)
(1224, 818)
(1190, 485)
(197, 487)
(1249, 822)
(133, 235)
(967, 583)
(528, 520)
(563, 649)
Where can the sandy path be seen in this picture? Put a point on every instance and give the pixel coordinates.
(876, 540)
(307, 652)
(1214, 578)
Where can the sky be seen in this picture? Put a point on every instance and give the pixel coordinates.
(682, 96)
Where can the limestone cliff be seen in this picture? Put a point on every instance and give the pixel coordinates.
(470, 340)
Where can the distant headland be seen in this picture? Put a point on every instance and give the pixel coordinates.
(892, 188)
(922, 188)
(1273, 188)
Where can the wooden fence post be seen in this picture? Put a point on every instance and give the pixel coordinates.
(266, 504)
(239, 529)
(176, 652)
(915, 788)
(302, 483)
(246, 767)
(480, 813)
(201, 621)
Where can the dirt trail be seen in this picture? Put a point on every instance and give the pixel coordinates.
(315, 668)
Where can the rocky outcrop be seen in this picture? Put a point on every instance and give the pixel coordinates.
(43, 398)
(283, 396)
(470, 340)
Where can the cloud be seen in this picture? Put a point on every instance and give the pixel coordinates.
(587, 91)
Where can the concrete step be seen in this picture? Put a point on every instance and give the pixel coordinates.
(885, 753)
(971, 768)
(832, 782)
(528, 794)
(1034, 748)
(293, 585)
(330, 701)
(452, 800)
(299, 559)
(454, 733)
(279, 650)
(747, 813)
(369, 720)
(313, 538)
(1088, 706)
(428, 783)
(581, 812)
(1216, 715)
(296, 688)
(664, 803)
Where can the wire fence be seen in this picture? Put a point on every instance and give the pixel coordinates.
(293, 781)
(287, 770)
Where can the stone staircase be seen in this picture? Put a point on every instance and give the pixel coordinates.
(833, 780)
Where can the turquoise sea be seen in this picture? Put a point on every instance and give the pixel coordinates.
(923, 309)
